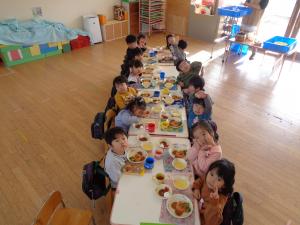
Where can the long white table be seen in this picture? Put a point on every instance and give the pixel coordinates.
(136, 200)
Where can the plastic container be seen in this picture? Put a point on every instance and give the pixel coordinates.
(234, 11)
(234, 30)
(239, 48)
(149, 163)
(275, 47)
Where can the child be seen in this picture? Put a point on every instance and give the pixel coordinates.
(197, 112)
(131, 42)
(136, 108)
(115, 159)
(213, 191)
(182, 45)
(170, 40)
(205, 149)
(136, 69)
(141, 41)
(187, 71)
(124, 93)
(196, 90)
(135, 54)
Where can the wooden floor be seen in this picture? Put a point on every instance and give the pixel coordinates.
(46, 108)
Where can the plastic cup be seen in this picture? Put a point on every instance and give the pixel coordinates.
(162, 75)
(149, 163)
(151, 127)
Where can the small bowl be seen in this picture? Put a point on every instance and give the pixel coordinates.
(147, 146)
(168, 100)
(179, 164)
(181, 182)
(164, 143)
(159, 178)
(163, 191)
(143, 137)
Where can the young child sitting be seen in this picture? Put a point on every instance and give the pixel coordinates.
(197, 112)
(135, 109)
(205, 149)
(141, 41)
(187, 72)
(136, 69)
(170, 41)
(115, 159)
(213, 190)
(135, 54)
(196, 90)
(131, 42)
(182, 45)
(124, 93)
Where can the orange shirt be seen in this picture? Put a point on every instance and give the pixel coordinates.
(212, 209)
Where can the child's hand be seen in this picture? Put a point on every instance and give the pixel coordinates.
(196, 194)
(200, 94)
(206, 148)
(215, 194)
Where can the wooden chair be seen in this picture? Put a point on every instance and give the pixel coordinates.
(52, 215)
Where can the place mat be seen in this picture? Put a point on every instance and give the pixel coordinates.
(167, 162)
(134, 169)
(166, 217)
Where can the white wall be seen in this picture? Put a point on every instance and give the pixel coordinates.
(68, 12)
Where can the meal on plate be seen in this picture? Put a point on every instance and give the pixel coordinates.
(166, 59)
(179, 164)
(139, 125)
(165, 91)
(168, 100)
(143, 137)
(145, 94)
(176, 97)
(179, 153)
(169, 85)
(147, 146)
(148, 100)
(137, 157)
(156, 100)
(175, 123)
(181, 207)
(181, 182)
(164, 116)
(164, 144)
(175, 113)
(146, 83)
(162, 192)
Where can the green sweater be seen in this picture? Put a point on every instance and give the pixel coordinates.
(194, 71)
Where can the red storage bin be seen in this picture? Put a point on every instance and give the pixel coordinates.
(80, 42)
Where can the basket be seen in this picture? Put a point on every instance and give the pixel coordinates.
(273, 44)
(234, 11)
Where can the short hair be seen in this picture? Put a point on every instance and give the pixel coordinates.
(225, 170)
(178, 63)
(199, 101)
(197, 82)
(130, 39)
(111, 134)
(136, 63)
(182, 44)
(140, 36)
(208, 125)
(137, 102)
(133, 53)
(119, 80)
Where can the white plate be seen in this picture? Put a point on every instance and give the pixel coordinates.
(178, 147)
(180, 161)
(181, 198)
(132, 152)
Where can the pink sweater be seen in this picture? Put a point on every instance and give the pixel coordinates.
(202, 159)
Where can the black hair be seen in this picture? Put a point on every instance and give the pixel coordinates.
(130, 39)
(111, 134)
(167, 37)
(133, 53)
(182, 44)
(178, 63)
(119, 80)
(136, 63)
(208, 125)
(197, 82)
(140, 36)
(225, 170)
(137, 102)
(199, 101)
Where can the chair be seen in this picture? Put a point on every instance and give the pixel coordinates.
(52, 215)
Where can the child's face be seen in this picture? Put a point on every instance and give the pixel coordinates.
(198, 109)
(184, 66)
(132, 45)
(213, 181)
(122, 88)
(171, 40)
(137, 70)
(142, 42)
(119, 144)
(191, 89)
(202, 137)
(138, 112)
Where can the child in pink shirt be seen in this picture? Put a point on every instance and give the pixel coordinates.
(205, 149)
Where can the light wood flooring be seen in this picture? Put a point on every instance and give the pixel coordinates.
(47, 106)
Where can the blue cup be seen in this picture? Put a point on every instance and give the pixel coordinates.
(149, 163)
(162, 75)
(151, 54)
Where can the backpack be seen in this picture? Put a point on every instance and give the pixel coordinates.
(95, 181)
(97, 127)
(233, 211)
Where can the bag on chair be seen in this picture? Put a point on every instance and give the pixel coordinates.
(97, 127)
(95, 181)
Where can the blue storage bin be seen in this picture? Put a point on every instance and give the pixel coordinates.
(234, 11)
(272, 46)
(239, 48)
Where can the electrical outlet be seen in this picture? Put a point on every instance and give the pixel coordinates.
(37, 11)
